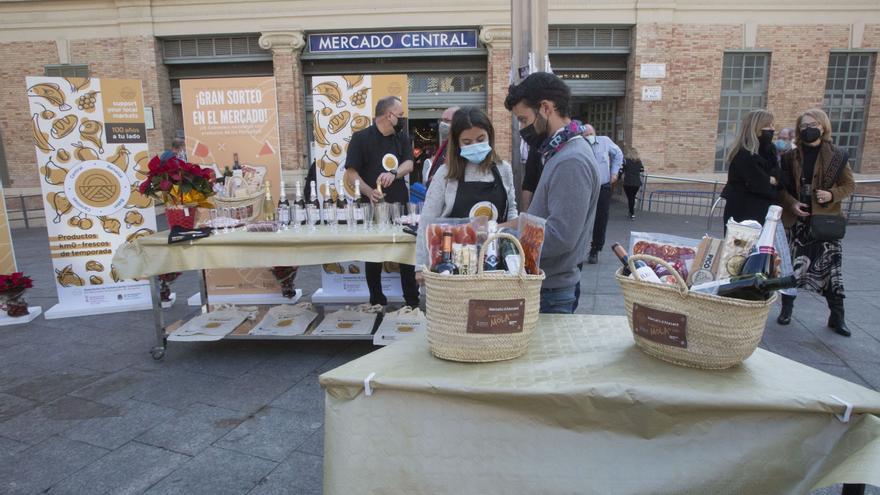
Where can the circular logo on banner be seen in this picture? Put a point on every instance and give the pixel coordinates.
(97, 187)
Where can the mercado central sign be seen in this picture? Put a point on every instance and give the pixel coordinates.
(401, 40)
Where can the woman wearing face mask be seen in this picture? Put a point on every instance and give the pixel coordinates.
(473, 173)
(752, 170)
(818, 181)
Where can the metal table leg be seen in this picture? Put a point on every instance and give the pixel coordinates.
(853, 490)
(158, 352)
(203, 291)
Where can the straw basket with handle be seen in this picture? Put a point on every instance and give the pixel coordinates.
(484, 317)
(254, 201)
(687, 328)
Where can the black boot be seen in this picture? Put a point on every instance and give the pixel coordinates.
(787, 308)
(837, 320)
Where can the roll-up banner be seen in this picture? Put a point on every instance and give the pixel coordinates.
(342, 106)
(222, 117)
(91, 149)
(7, 252)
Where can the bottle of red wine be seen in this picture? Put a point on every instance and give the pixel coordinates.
(623, 256)
(760, 260)
(754, 287)
(446, 265)
(235, 164)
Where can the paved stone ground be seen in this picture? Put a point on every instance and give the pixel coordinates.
(85, 409)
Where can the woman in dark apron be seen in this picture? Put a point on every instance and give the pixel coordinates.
(473, 179)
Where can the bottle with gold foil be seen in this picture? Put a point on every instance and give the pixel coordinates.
(268, 204)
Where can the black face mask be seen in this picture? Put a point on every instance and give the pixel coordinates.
(766, 137)
(531, 136)
(810, 134)
(400, 125)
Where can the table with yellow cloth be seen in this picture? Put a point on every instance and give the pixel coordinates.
(152, 255)
(585, 411)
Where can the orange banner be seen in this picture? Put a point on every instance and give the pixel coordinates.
(224, 117)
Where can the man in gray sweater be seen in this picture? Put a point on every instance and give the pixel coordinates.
(569, 186)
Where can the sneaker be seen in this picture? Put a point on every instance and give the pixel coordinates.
(593, 258)
(632, 217)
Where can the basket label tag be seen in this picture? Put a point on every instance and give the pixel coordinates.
(660, 326)
(496, 317)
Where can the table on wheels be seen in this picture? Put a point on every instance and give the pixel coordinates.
(585, 411)
(151, 256)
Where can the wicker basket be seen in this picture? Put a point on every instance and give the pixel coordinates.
(253, 202)
(451, 297)
(720, 332)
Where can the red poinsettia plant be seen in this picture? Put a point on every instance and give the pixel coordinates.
(15, 282)
(178, 183)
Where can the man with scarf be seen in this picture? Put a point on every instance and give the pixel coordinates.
(568, 189)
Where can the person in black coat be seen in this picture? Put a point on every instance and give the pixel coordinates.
(753, 182)
(632, 178)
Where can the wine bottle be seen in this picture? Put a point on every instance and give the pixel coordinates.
(753, 287)
(314, 207)
(268, 204)
(358, 203)
(491, 262)
(623, 257)
(235, 164)
(760, 260)
(341, 210)
(645, 273)
(445, 266)
(381, 194)
(300, 203)
(329, 206)
(284, 206)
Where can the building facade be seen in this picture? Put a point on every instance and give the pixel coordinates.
(671, 78)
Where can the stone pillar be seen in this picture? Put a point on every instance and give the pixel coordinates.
(497, 38)
(286, 47)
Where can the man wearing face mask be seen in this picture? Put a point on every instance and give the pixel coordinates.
(178, 149)
(785, 141)
(366, 161)
(567, 192)
(610, 159)
(443, 131)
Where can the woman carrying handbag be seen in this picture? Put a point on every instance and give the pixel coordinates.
(817, 180)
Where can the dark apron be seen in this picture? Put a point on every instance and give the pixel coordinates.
(471, 193)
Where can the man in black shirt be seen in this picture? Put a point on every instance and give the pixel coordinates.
(368, 161)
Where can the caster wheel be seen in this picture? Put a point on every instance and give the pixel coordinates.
(158, 353)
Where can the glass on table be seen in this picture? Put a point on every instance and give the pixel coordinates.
(296, 216)
(227, 217)
(414, 213)
(382, 212)
(368, 216)
(212, 218)
(396, 210)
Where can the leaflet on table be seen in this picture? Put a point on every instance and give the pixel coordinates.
(347, 322)
(286, 320)
(400, 324)
(211, 326)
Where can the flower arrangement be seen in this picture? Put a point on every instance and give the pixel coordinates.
(12, 288)
(178, 183)
(285, 276)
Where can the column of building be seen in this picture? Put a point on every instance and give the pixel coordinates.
(497, 39)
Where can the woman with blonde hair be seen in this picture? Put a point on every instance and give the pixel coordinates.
(752, 170)
(817, 181)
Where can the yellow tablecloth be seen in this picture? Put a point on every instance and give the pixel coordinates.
(153, 255)
(584, 411)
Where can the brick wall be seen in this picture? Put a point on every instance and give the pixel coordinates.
(19, 61)
(498, 80)
(871, 147)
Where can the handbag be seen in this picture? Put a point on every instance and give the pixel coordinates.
(827, 227)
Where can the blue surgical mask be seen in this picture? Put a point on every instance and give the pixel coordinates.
(781, 145)
(476, 153)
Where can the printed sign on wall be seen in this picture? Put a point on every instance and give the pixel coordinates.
(342, 106)
(91, 147)
(222, 117)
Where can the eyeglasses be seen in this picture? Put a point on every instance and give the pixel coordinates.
(809, 125)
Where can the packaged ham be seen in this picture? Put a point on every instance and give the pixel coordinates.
(531, 236)
(462, 233)
(680, 252)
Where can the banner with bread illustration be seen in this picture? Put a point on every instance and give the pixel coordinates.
(7, 253)
(342, 106)
(91, 149)
(224, 117)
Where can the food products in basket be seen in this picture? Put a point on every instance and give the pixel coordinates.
(679, 252)
(446, 266)
(738, 243)
(531, 236)
(462, 233)
(708, 261)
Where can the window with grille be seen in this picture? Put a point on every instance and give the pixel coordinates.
(67, 70)
(214, 48)
(743, 89)
(447, 83)
(589, 37)
(847, 93)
